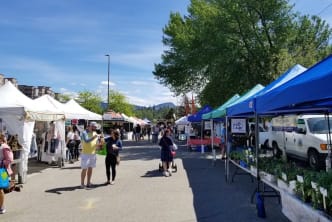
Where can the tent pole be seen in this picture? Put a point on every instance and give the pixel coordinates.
(328, 158)
(256, 148)
(212, 143)
(227, 149)
(202, 145)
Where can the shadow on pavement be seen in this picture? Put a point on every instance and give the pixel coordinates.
(152, 173)
(60, 190)
(214, 199)
(71, 168)
(35, 166)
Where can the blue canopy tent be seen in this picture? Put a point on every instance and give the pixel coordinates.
(246, 107)
(308, 92)
(213, 116)
(197, 117)
(245, 96)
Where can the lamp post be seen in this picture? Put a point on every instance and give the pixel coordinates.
(108, 82)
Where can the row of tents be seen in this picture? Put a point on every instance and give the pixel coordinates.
(19, 113)
(298, 90)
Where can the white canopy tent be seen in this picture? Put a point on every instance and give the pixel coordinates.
(76, 111)
(52, 105)
(18, 114)
(182, 121)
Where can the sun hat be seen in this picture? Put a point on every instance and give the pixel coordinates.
(93, 124)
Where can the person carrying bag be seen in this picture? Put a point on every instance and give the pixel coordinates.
(113, 145)
(6, 158)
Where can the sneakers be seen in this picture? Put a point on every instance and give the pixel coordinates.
(169, 172)
(90, 185)
(166, 173)
(107, 183)
(113, 182)
(2, 210)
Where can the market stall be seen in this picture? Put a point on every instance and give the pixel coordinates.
(308, 92)
(18, 114)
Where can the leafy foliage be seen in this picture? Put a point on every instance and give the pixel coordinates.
(90, 101)
(223, 47)
(63, 98)
(118, 103)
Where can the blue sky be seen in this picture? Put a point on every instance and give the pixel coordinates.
(62, 44)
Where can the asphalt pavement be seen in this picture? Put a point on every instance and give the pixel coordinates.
(198, 191)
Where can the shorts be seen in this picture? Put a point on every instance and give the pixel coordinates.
(88, 161)
(166, 155)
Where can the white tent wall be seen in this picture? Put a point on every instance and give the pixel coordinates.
(53, 106)
(23, 128)
(60, 150)
(19, 113)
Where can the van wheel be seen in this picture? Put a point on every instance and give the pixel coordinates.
(276, 151)
(313, 159)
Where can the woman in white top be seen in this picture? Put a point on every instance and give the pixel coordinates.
(70, 141)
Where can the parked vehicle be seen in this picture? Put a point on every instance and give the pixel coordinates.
(263, 137)
(302, 137)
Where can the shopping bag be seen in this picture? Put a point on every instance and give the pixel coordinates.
(4, 178)
(102, 150)
(175, 147)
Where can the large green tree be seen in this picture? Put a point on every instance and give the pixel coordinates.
(90, 101)
(118, 103)
(223, 47)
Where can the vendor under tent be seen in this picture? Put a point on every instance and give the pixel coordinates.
(45, 154)
(216, 125)
(246, 108)
(307, 93)
(198, 126)
(183, 127)
(18, 114)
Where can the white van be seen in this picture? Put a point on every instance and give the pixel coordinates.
(303, 137)
(263, 136)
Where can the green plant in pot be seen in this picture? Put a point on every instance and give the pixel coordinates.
(302, 189)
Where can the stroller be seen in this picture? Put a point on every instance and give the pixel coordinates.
(173, 166)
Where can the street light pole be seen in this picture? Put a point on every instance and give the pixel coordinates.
(108, 82)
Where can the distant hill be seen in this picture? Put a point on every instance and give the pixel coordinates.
(157, 107)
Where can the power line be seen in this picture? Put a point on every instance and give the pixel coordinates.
(324, 9)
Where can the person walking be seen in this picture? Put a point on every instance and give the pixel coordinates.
(6, 158)
(138, 132)
(90, 142)
(70, 143)
(113, 145)
(166, 152)
(77, 139)
(223, 141)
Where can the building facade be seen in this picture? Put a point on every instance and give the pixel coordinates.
(30, 91)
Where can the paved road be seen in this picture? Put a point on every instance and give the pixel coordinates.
(196, 192)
